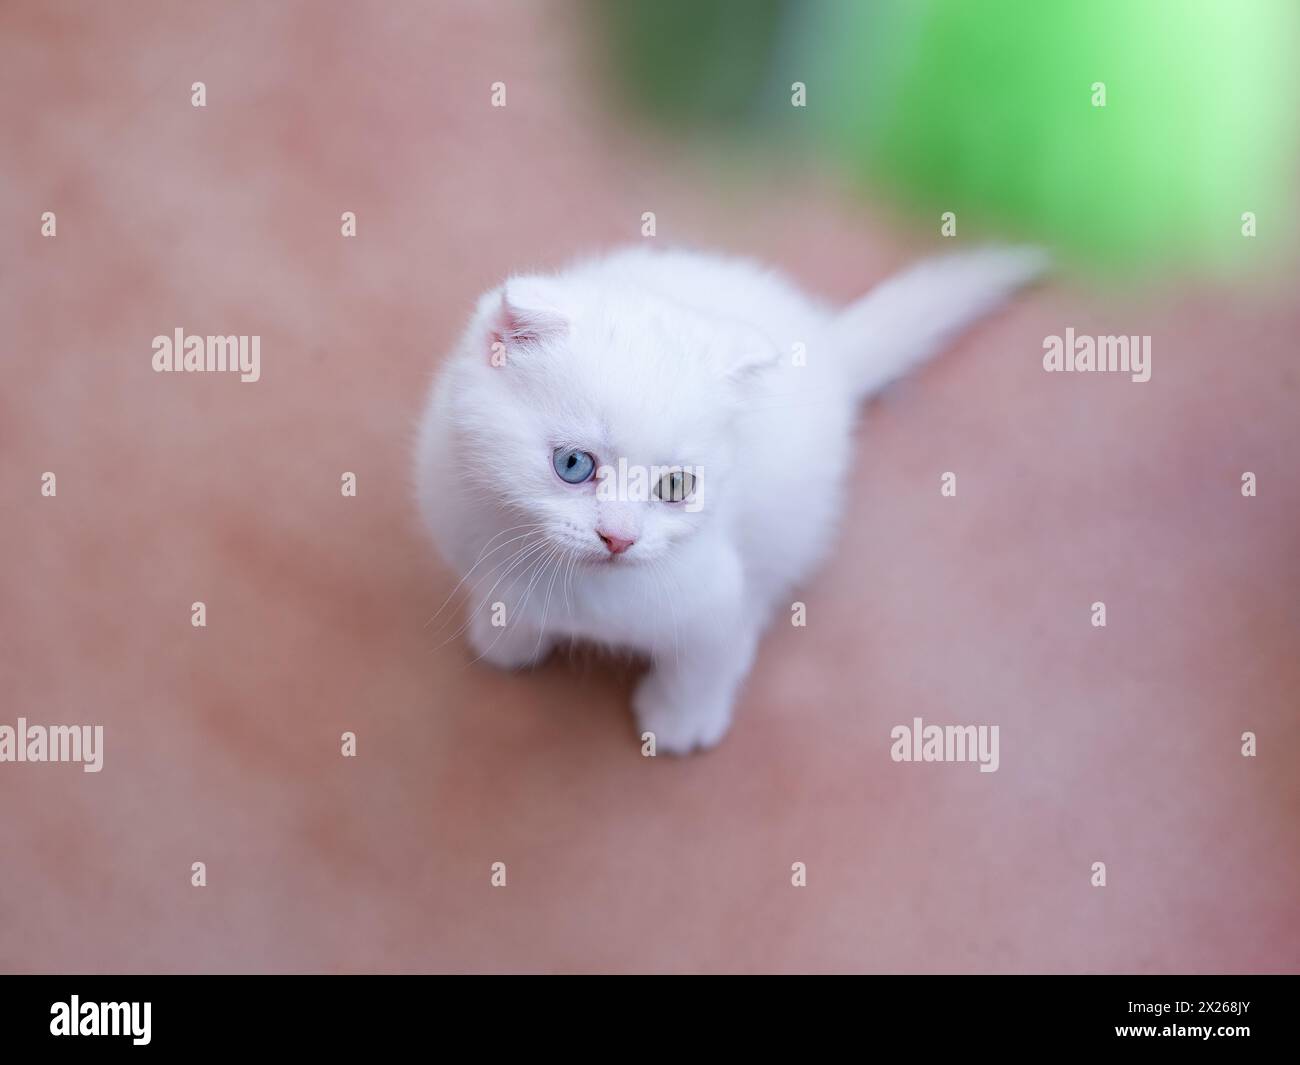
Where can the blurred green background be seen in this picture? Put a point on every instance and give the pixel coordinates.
(1125, 134)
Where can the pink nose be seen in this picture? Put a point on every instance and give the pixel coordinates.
(616, 544)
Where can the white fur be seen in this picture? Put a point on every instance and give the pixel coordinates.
(667, 358)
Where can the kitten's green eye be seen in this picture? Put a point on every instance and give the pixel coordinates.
(675, 487)
(572, 465)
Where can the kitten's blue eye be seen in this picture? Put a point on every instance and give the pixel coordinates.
(572, 465)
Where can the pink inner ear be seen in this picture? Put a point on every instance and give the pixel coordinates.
(518, 327)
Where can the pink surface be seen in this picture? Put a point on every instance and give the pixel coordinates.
(222, 744)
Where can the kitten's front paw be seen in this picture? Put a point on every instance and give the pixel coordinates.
(679, 728)
(507, 646)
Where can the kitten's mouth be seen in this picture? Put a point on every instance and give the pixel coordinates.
(601, 557)
(605, 559)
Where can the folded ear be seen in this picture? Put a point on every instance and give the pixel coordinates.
(523, 318)
(746, 353)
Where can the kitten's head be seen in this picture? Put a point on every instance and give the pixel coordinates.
(600, 415)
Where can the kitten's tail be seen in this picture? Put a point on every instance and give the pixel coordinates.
(913, 315)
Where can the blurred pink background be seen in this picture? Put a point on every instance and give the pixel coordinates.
(222, 744)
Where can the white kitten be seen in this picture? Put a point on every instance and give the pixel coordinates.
(648, 449)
